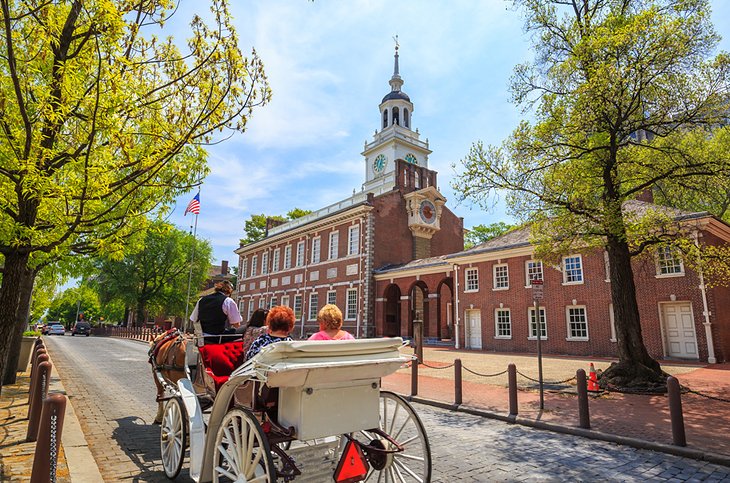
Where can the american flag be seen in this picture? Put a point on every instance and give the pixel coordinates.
(193, 206)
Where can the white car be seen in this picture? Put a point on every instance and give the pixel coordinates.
(56, 329)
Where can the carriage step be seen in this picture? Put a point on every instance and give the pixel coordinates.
(316, 460)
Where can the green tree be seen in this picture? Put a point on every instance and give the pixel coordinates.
(73, 301)
(627, 99)
(154, 280)
(255, 227)
(103, 122)
(483, 233)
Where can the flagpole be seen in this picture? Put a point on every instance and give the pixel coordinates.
(190, 274)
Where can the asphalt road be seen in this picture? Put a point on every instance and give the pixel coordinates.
(109, 383)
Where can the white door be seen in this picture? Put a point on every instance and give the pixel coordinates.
(474, 322)
(679, 329)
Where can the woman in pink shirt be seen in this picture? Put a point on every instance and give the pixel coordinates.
(330, 325)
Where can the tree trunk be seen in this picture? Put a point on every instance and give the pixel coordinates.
(636, 368)
(15, 265)
(22, 315)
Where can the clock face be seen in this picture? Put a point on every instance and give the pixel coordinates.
(427, 211)
(411, 158)
(379, 164)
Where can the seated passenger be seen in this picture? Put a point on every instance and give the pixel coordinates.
(330, 325)
(280, 322)
(256, 326)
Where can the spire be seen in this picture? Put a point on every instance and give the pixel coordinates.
(396, 82)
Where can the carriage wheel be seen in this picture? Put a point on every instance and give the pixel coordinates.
(242, 452)
(173, 438)
(399, 421)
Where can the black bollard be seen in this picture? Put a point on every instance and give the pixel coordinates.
(675, 412)
(414, 377)
(512, 379)
(458, 392)
(584, 418)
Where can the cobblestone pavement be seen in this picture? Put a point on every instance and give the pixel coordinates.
(109, 383)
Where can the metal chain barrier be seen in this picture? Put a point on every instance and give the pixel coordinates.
(686, 389)
(420, 363)
(483, 375)
(545, 382)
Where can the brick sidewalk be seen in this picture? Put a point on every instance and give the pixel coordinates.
(16, 456)
(646, 417)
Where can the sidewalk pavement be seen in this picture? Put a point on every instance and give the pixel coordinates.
(640, 417)
(75, 463)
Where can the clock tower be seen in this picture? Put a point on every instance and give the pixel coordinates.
(395, 140)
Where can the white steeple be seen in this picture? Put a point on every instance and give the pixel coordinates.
(395, 140)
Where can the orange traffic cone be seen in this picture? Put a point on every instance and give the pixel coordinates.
(593, 380)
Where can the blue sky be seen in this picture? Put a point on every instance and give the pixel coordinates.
(329, 64)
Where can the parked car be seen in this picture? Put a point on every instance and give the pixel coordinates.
(81, 328)
(56, 328)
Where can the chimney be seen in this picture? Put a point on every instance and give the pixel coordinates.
(271, 223)
(647, 195)
(224, 267)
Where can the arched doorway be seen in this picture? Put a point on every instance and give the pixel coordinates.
(391, 327)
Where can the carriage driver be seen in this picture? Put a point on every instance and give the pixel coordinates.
(218, 313)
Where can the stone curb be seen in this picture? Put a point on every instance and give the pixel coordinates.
(81, 464)
(695, 454)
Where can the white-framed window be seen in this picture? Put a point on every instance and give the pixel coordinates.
(300, 253)
(577, 320)
(502, 324)
(244, 268)
(417, 180)
(351, 306)
(272, 302)
(287, 257)
(250, 309)
(297, 307)
(332, 297)
(533, 271)
(471, 275)
(262, 302)
(316, 245)
(275, 260)
(669, 262)
(353, 240)
(533, 324)
(573, 269)
(313, 305)
(612, 320)
(254, 262)
(334, 248)
(501, 277)
(265, 263)
(607, 266)
(285, 300)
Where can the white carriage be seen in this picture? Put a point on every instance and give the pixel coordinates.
(290, 398)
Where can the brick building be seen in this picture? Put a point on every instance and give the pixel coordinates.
(391, 257)
(493, 310)
(329, 255)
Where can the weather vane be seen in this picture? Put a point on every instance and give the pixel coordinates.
(397, 45)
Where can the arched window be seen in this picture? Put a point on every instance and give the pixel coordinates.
(418, 180)
(385, 119)
(406, 121)
(405, 178)
(396, 116)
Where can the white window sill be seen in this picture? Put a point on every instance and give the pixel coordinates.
(350, 319)
(500, 289)
(612, 340)
(572, 283)
(669, 275)
(503, 337)
(577, 339)
(535, 338)
(471, 291)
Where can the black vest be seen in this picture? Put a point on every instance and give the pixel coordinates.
(210, 313)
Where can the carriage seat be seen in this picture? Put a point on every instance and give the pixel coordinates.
(220, 360)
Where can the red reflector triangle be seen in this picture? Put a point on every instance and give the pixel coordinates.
(352, 466)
